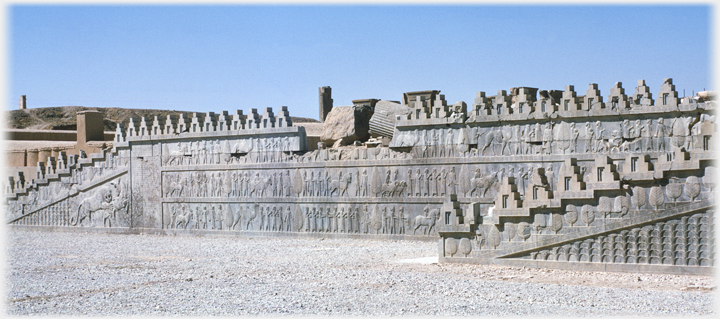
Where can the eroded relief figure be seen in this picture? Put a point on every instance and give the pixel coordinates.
(660, 133)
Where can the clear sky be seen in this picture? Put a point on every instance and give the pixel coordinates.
(227, 57)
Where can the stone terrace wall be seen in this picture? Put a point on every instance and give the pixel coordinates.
(548, 182)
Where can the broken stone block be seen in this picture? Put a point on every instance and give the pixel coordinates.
(347, 123)
(382, 122)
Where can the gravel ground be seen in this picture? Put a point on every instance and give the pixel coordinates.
(58, 273)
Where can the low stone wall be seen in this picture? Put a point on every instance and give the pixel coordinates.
(47, 135)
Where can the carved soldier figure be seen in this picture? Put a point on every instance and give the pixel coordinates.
(278, 220)
(218, 217)
(441, 182)
(288, 213)
(599, 130)
(660, 133)
(505, 139)
(321, 215)
(452, 181)
(287, 183)
(218, 151)
(274, 184)
(211, 152)
(386, 220)
(590, 138)
(260, 151)
(575, 134)
(207, 219)
(547, 138)
(318, 184)
(344, 217)
(333, 220)
(306, 185)
(637, 133)
(327, 183)
(418, 186)
(204, 152)
(365, 221)
(426, 144)
(311, 183)
(450, 143)
(411, 183)
(357, 183)
(193, 152)
(393, 220)
(328, 223)
(308, 215)
(356, 220)
(234, 189)
(432, 186)
(550, 175)
(364, 183)
(244, 182)
(263, 218)
(198, 217)
(526, 133)
(404, 218)
(646, 133)
(316, 216)
(270, 218)
(523, 178)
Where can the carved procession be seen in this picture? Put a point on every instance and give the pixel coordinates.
(543, 178)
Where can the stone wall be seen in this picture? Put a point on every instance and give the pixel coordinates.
(622, 188)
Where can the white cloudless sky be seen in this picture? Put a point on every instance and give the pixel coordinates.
(226, 57)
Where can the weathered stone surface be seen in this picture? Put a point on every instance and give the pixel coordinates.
(348, 124)
(590, 186)
(382, 123)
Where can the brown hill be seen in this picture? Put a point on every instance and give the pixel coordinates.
(64, 117)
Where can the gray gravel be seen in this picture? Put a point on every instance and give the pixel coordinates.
(58, 273)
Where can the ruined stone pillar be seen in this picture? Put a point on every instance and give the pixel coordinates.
(23, 102)
(326, 102)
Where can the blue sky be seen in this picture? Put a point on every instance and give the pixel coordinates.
(227, 57)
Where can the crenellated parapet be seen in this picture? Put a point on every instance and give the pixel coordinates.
(211, 125)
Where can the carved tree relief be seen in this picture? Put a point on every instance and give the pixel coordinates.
(656, 197)
(494, 237)
(510, 231)
(587, 214)
(451, 246)
(692, 187)
(571, 214)
(639, 197)
(464, 247)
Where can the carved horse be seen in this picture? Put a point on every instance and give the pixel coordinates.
(482, 182)
(426, 221)
(341, 185)
(173, 188)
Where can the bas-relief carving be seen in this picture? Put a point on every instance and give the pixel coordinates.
(228, 217)
(600, 168)
(557, 137)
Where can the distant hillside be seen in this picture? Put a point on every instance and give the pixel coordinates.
(65, 118)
